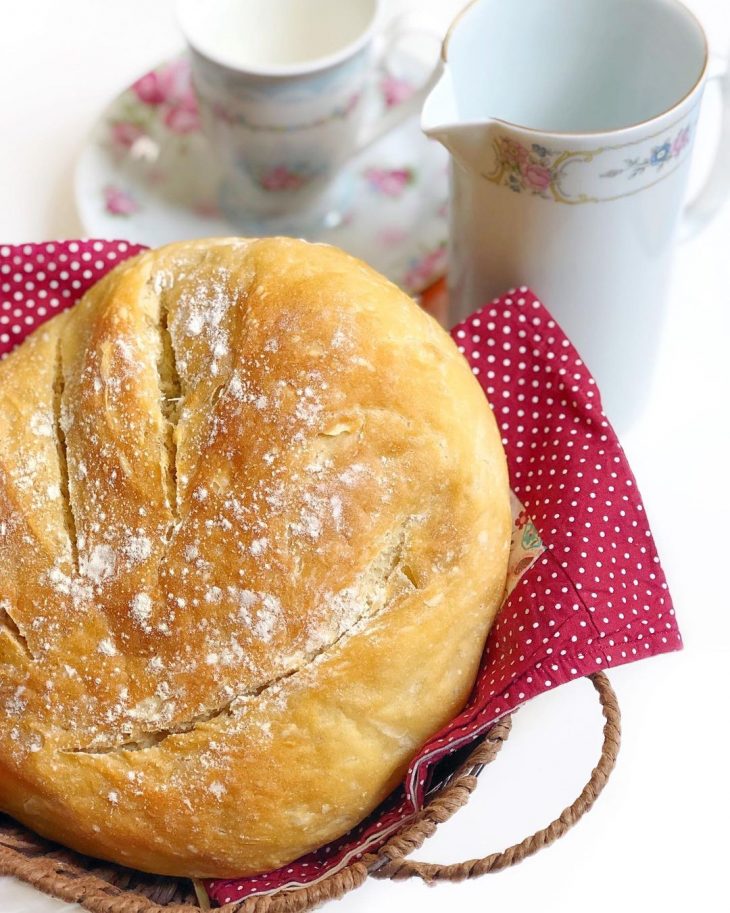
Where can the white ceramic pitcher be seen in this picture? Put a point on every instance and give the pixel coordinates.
(570, 124)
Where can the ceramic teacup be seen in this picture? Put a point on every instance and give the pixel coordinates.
(281, 85)
(571, 124)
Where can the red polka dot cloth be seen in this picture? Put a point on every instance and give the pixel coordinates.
(585, 588)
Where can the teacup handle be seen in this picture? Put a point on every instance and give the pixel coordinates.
(716, 188)
(400, 27)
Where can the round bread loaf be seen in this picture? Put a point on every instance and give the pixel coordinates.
(254, 528)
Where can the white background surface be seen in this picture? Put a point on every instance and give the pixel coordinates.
(657, 838)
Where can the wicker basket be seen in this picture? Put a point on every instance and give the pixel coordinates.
(106, 888)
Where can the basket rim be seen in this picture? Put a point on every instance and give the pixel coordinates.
(74, 878)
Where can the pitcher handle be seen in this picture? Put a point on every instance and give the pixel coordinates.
(716, 188)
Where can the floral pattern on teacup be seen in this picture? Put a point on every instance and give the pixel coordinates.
(161, 98)
(342, 111)
(390, 182)
(170, 90)
(125, 133)
(147, 156)
(656, 159)
(165, 96)
(118, 202)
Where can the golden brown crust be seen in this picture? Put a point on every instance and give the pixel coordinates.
(253, 532)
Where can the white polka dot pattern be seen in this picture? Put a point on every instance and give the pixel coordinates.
(39, 280)
(595, 598)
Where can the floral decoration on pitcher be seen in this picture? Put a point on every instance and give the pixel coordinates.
(574, 176)
(657, 158)
(523, 169)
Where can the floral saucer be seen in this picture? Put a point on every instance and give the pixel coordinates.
(147, 174)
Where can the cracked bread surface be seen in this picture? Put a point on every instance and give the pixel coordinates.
(254, 529)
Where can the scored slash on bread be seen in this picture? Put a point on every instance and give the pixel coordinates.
(254, 530)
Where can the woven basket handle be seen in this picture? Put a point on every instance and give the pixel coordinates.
(391, 862)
